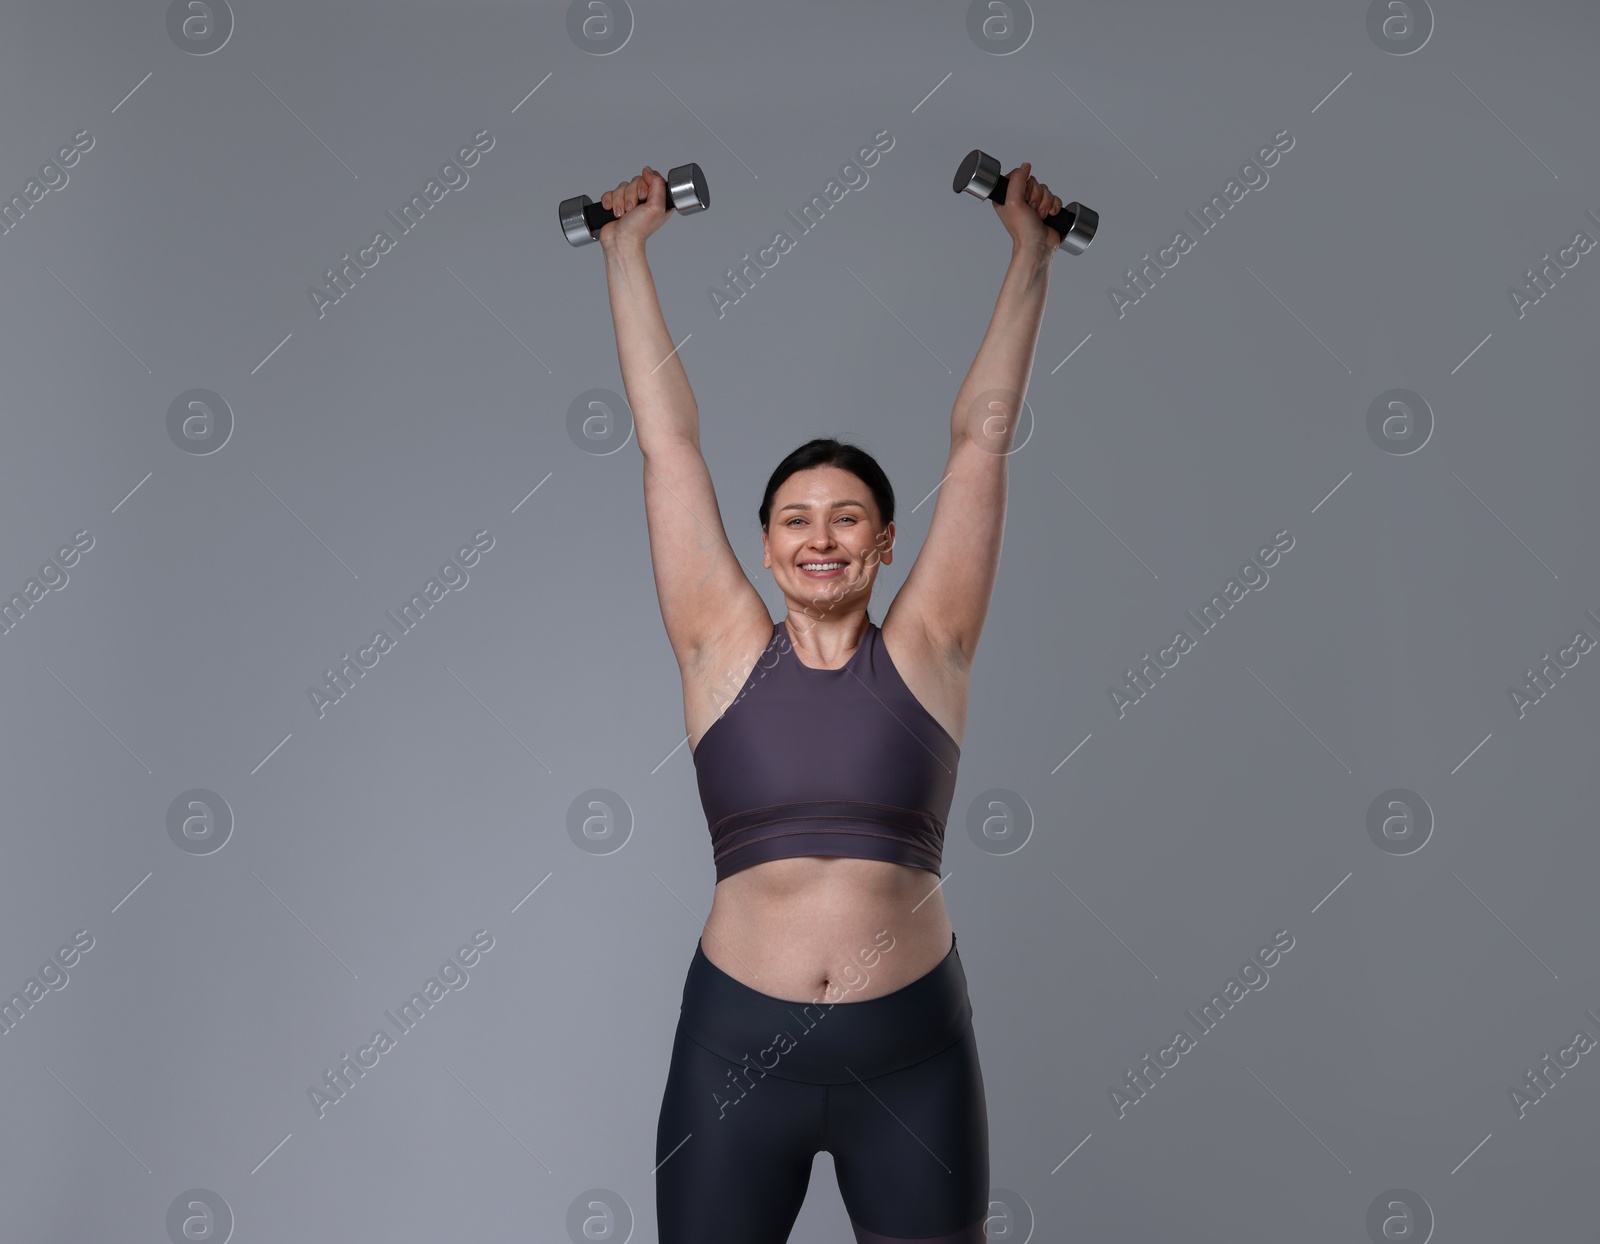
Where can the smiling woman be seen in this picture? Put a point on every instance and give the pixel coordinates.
(861, 501)
(826, 784)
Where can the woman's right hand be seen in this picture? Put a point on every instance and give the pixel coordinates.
(640, 206)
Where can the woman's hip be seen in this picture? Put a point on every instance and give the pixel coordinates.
(824, 1041)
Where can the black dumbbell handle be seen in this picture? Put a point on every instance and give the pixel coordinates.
(1074, 222)
(597, 217)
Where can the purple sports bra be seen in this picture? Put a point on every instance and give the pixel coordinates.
(826, 762)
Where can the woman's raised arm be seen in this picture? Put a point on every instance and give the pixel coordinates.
(948, 590)
(703, 591)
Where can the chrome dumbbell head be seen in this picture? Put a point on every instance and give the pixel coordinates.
(978, 175)
(573, 224)
(687, 190)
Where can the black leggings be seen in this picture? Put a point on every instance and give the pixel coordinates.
(890, 1086)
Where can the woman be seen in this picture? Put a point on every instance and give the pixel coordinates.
(825, 1006)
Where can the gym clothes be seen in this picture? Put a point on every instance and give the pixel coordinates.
(889, 1086)
(826, 762)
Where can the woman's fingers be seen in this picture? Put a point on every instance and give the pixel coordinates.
(628, 194)
(1040, 197)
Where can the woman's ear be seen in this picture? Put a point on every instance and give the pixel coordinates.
(885, 544)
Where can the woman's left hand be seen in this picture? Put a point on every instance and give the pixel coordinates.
(1023, 213)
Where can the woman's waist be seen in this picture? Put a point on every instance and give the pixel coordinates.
(842, 931)
(814, 896)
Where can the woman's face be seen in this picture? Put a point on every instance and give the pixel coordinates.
(825, 515)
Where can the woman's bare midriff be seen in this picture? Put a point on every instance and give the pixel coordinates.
(827, 928)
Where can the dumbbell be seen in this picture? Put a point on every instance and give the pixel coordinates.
(582, 218)
(980, 175)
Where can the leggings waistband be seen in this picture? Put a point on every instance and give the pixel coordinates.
(825, 1042)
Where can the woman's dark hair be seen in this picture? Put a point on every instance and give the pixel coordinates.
(825, 451)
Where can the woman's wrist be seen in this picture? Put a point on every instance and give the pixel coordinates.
(1032, 252)
(625, 248)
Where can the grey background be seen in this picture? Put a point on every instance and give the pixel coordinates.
(435, 799)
